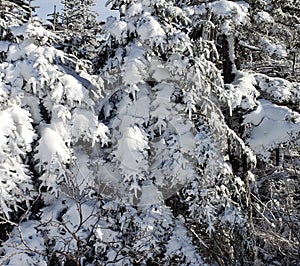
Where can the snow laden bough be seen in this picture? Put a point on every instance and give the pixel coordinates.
(48, 106)
(272, 126)
(268, 124)
(168, 134)
(48, 130)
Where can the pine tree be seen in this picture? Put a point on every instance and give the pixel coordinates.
(261, 36)
(13, 13)
(271, 38)
(148, 164)
(167, 128)
(80, 29)
(48, 109)
(17, 132)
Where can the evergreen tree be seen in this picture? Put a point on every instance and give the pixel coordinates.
(167, 128)
(153, 162)
(80, 29)
(261, 36)
(13, 13)
(16, 136)
(48, 111)
(271, 38)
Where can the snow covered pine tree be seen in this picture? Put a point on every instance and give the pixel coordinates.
(169, 143)
(15, 138)
(146, 164)
(80, 29)
(47, 118)
(263, 37)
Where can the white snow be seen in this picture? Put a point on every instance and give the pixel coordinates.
(24, 128)
(73, 89)
(131, 147)
(116, 28)
(225, 8)
(272, 48)
(176, 11)
(242, 92)
(180, 244)
(150, 195)
(184, 132)
(32, 29)
(151, 30)
(134, 9)
(134, 67)
(279, 89)
(106, 235)
(17, 51)
(162, 105)
(228, 10)
(263, 17)
(270, 126)
(103, 132)
(85, 126)
(139, 110)
(160, 73)
(7, 126)
(84, 176)
(51, 148)
(16, 253)
(4, 46)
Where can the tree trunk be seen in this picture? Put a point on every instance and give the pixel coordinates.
(228, 61)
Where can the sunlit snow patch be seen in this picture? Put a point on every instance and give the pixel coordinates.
(270, 126)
